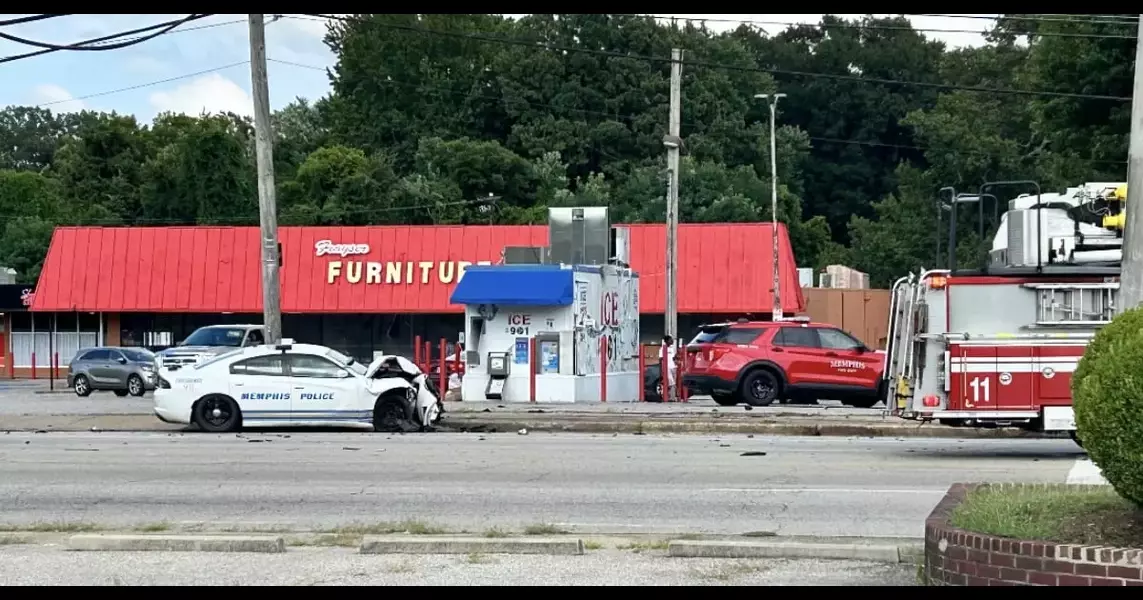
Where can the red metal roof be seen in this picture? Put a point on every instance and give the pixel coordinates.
(723, 268)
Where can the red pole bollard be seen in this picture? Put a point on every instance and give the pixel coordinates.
(603, 369)
(417, 351)
(532, 367)
(444, 368)
(642, 373)
(664, 373)
(11, 365)
(428, 356)
(457, 364)
(33, 365)
(56, 366)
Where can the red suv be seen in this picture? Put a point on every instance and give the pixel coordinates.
(760, 362)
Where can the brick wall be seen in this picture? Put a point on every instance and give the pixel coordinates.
(962, 558)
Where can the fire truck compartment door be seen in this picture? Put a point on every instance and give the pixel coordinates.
(1015, 378)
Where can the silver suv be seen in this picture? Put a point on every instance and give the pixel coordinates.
(207, 342)
(120, 370)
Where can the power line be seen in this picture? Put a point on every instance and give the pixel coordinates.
(629, 118)
(1046, 18)
(538, 44)
(31, 19)
(145, 85)
(83, 47)
(875, 27)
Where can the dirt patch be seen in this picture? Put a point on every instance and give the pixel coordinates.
(1082, 515)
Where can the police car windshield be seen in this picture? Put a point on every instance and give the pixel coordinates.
(216, 336)
(350, 364)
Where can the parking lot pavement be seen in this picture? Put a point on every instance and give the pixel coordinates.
(39, 565)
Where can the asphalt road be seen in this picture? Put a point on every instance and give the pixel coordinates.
(585, 483)
(37, 565)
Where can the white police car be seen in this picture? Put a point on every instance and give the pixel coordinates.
(296, 385)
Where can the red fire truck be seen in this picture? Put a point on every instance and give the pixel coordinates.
(997, 347)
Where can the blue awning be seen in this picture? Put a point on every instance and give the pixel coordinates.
(515, 285)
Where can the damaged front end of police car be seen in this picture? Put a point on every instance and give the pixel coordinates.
(407, 398)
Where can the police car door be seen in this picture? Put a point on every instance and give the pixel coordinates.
(261, 387)
(322, 391)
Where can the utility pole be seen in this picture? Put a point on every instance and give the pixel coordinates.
(1131, 277)
(267, 205)
(776, 309)
(674, 144)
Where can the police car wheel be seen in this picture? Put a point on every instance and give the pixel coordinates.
(217, 414)
(393, 414)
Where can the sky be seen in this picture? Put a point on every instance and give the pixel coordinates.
(202, 66)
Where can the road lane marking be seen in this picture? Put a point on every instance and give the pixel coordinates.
(1084, 472)
(933, 491)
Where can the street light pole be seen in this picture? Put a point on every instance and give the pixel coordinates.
(777, 306)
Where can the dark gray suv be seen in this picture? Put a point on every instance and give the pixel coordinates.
(120, 370)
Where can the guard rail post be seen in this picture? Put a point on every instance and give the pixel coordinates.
(444, 369)
(55, 370)
(532, 367)
(11, 365)
(33, 365)
(603, 369)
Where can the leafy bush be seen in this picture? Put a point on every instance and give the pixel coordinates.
(1107, 389)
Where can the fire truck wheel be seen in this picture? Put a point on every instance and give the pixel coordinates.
(760, 388)
(1075, 438)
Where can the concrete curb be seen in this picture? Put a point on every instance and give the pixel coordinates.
(709, 425)
(890, 553)
(634, 424)
(177, 543)
(470, 545)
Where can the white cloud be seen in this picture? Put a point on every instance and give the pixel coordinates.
(55, 97)
(211, 93)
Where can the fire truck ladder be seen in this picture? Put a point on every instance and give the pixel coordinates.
(898, 353)
(1075, 304)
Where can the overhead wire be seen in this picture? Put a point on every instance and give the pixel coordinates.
(85, 47)
(93, 44)
(1043, 18)
(537, 44)
(31, 19)
(872, 26)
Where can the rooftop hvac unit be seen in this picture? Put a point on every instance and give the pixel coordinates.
(579, 235)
